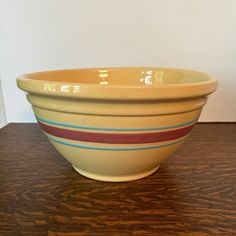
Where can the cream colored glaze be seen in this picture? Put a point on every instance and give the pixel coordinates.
(140, 98)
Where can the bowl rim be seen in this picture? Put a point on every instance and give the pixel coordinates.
(118, 91)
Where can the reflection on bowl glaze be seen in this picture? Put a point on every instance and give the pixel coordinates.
(117, 124)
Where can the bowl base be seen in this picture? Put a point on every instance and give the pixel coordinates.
(109, 178)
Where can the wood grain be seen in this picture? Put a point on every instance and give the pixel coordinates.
(193, 193)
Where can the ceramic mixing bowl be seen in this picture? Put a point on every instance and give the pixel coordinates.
(117, 124)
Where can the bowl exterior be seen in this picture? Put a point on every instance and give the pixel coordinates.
(116, 141)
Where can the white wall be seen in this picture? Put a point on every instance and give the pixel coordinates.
(2, 109)
(51, 34)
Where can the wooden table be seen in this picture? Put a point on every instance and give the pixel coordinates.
(193, 193)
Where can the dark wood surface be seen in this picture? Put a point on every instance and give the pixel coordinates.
(193, 192)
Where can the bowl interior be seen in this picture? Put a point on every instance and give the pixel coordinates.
(122, 76)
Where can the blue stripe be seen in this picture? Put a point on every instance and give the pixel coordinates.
(112, 149)
(113, 129)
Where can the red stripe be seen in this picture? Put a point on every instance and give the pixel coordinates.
(132, 138)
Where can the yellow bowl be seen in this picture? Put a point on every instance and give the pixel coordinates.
(117, 124)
